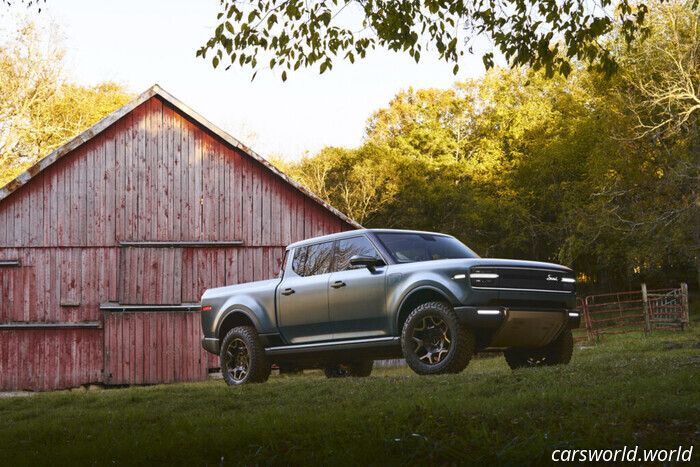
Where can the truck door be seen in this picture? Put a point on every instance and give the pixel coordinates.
(302, 296)
(357, 295)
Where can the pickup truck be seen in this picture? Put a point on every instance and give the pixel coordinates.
(344, 300)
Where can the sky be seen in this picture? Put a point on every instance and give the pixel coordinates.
(144, 42)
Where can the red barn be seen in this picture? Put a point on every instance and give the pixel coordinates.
(108, 242)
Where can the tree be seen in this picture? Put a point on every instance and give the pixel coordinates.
(539, 33)
(358, 182)
(520, 165)
(658, 92)
(39, 108)
(662, 75)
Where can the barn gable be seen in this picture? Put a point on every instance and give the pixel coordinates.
(108, 242)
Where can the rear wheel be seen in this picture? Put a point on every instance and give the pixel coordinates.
(434, 342)
(359, 369)
(243, 357)
(557, 352)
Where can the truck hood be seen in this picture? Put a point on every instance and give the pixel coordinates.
(462, 263)
(516, 263)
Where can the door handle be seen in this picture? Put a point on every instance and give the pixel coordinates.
(338, 284)
(287, 291)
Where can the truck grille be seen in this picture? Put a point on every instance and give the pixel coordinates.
(522, 278)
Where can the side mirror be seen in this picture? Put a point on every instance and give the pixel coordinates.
(368, 261)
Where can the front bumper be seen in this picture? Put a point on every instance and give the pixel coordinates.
(515, 327)
(494, 316)
(211, 344)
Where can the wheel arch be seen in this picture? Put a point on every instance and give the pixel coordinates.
(234, 318)
(418, 296)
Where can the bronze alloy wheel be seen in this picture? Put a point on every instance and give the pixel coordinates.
(242, 357)
(431, 340)
(434, 342)
(238, 359)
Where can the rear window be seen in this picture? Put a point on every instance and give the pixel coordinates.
(414, 247)
(312, 260)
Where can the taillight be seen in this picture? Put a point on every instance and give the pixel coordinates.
(206, 308)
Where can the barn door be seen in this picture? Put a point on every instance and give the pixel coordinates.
(150, 276)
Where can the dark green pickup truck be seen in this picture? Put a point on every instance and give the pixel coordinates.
(345, 300)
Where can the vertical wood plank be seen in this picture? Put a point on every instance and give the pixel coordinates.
(78, 194)
(248, 201)
(198, 183)
(175, 174)
(131, 172)
(209, 187)
(177, 340)
(109, 182)
(154, 348)
(229, 197)
(193, 170)
(50, 206)
(99, 193)
(222, 193)
(5, 220)
(36, 212)
(139, 353)
(237, 196)
(258, 202)
(91, 206)
(119, 181)
(141, 195)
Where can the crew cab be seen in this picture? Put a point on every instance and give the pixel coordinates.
(344, 300)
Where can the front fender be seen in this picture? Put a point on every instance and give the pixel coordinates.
(251, 308)
(406, 291)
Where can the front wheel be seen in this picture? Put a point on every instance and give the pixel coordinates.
(434, 342)
(557, 352)
(243, 357)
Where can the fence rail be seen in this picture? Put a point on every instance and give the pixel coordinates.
(638, 311)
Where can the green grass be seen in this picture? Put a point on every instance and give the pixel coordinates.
(629, 391)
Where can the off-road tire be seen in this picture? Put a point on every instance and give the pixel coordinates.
(258, 367)
(461, 340)
(557, 352)
(561, 349)
(360, 369)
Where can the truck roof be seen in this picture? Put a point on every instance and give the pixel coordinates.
(353, 233)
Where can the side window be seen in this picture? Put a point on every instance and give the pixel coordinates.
(299, 262)
(313, 260)
(350, 247)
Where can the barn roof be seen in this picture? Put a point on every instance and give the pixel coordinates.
(112, 118)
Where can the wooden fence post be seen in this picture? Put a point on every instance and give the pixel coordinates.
(645, 306)
(685, 319)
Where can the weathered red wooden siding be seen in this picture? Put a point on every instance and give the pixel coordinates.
(162, 348)
(154, 175)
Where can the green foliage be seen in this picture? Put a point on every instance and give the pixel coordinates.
(575, 171)
(541, 34)
(358, 182)
(626, 391)
(39, 108)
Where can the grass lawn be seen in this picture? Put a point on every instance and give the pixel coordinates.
(629, 391)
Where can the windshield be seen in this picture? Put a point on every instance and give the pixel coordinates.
(413, 247)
